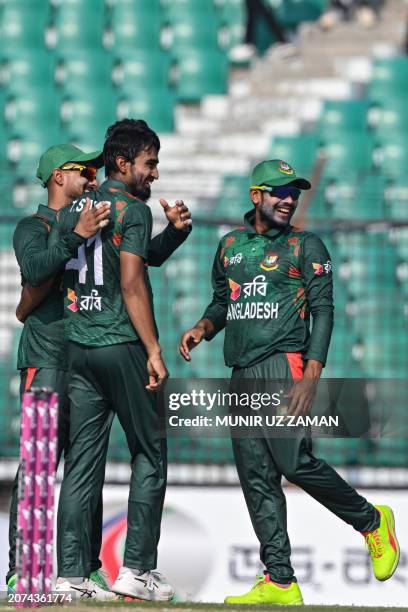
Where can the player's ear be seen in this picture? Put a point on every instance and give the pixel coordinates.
(121, 164)
(58, 176)
(256, 196)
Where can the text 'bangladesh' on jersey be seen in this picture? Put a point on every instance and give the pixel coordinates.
(265, 288)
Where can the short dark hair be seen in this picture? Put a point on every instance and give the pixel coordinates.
(128, 138)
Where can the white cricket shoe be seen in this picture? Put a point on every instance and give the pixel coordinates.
(88, 589)
(149, 585)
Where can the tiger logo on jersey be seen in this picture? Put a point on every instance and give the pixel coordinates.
(270, 262)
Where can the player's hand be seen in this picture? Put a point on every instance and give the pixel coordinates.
(302, 395)
(178, 215)
(92, 219)
(189, 340)
(157, 371)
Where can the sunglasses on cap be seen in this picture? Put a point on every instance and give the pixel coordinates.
(88, 172)
(282, 192)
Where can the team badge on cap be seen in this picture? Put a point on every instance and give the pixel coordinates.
(270, 262)
(285, 168)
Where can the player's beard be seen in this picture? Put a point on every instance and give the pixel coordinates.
(142, 190)
(268, 214)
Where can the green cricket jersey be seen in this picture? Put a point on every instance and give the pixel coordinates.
(265, 288)
(95, 312)
(42, 342)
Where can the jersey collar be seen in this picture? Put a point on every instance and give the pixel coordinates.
(48, 213)
(115, 185)
(249, 219)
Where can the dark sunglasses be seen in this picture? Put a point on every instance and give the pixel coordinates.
(88, 172)
(283, 192)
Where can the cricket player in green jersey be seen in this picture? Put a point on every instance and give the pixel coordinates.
(268, 278)
(66, 172)
(116, 365)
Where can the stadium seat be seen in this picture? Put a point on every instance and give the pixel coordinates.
(291, 13)
(359, 199)
(79, 25)
(136, 25)
(234, 199)
(23, 25)
(154, 105)
(350, 153)
(200, 72)
(143, 68)
(22, 69)
(25, 151)
(392, 155)
(193, 24)
(389, 74)
(37, 109)
(233, 20)
(89, 112)
(396, 197)
(343, 117)
(391, 117)
(299, 151)
(80, 68)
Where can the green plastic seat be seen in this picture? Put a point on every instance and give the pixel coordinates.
(136, 25)
(25, 151)
(234, 200)
(233, 20)
(299, 151)
(201, 72)
(291, 13)
(343, 116)
(193, 24)
(362, 199)
(396, 197)
(37, 109)
(391, 118)
(23, 25)
(154, 105)
(84, 68)
(393, 155)
(81, 114)
(389, 77)
(79, 25)
(350, 153)
(143, 68)
(23, 69)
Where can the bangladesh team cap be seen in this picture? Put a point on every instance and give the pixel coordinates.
(275, 173)
(56, 156)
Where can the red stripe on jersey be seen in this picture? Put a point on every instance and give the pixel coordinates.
(296, 365)
(30, 377)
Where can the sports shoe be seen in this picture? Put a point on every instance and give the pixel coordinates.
(265, 591)
(383, 545)
(101, 578)
(88, 589)
(11, 584)
(149, 585)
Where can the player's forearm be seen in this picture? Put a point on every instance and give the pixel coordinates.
(207, 326)
(321, 334)
(38, 266)
(137, 301)
(313, 369)
(31, 297)
(164, 244)
(216, 314)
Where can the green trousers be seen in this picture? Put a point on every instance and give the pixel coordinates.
(261, 463)
(57, 380)
(106, 381)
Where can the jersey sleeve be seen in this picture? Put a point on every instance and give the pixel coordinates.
(316, 269)
(164, 244)
(216, 312)
(37, 262)
(137, 230)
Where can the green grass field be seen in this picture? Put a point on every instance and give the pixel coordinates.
(197, 607)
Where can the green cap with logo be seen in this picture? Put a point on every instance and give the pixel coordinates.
(276, 173)
(58, 155)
